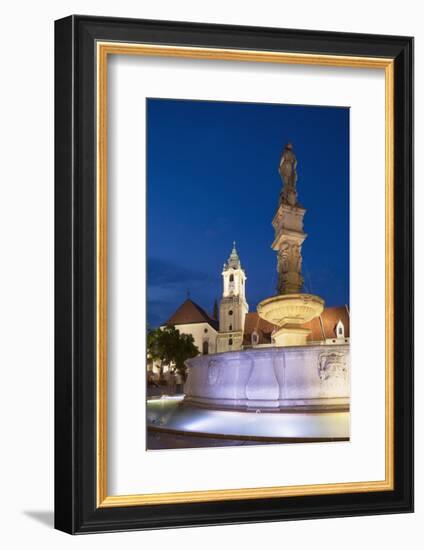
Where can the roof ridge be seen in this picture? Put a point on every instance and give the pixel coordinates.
(190, 312)
(201, 310)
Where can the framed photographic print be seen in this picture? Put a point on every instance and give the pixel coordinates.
(234, 274)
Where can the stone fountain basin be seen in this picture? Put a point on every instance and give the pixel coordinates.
(172, 416)
(299, 378)
(291, 309)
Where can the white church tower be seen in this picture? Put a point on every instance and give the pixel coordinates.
(233, 306)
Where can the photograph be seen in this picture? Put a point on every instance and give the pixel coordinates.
(248, 313)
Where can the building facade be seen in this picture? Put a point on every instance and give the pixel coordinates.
(190, 318)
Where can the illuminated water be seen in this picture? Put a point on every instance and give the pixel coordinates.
(171, 414)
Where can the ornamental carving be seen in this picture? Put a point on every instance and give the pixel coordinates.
(332, 367)
(214, 371)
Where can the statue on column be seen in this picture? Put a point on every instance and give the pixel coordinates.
(287, 170)
(291, 308)
(288, 224)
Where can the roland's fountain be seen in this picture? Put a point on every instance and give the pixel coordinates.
(305, 385)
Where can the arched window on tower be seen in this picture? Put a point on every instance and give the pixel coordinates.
(205, 347)
(230, 341)
(231, 278)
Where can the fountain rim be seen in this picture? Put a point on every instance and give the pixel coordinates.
(291, 297)
(265, 350)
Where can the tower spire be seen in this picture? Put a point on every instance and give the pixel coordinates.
(234, 260)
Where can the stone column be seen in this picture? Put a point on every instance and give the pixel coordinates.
(289, 237)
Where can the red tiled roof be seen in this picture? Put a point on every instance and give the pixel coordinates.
(315, 326)
(322, 327)
(255, 323)
(331, 316)
(189, 312)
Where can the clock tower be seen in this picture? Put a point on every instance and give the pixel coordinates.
(233, 306)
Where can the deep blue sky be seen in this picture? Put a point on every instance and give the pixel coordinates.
(212, 177)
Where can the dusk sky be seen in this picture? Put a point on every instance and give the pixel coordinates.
(212, 177)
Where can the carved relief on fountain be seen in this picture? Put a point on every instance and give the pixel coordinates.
(333, 372)
(213, 372)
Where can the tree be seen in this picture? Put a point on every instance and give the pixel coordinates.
(168, 346)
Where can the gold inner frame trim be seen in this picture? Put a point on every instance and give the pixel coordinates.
(104, 49)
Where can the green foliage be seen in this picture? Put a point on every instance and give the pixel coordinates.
(168, 345)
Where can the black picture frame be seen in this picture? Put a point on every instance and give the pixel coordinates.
(76, 508)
